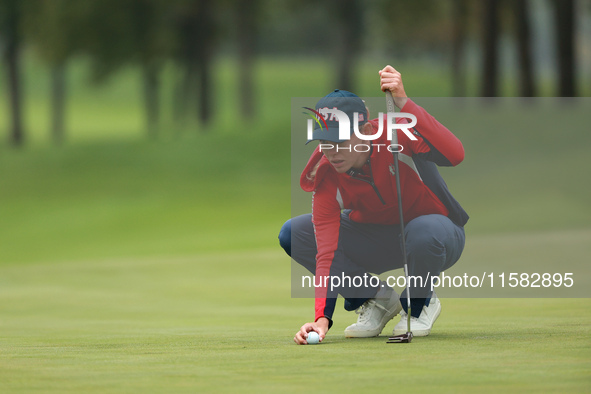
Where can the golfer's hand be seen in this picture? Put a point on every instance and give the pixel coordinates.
(321, 327)
(391, 80)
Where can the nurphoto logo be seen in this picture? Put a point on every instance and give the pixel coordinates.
(322, 115)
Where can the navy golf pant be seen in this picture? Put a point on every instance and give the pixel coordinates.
(433, 244)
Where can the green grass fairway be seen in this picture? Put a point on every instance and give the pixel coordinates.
(137, 266)
(225, 322)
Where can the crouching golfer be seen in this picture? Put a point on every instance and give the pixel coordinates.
(354, 231)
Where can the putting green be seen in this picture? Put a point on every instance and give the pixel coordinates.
(133, 266)
(225, 322)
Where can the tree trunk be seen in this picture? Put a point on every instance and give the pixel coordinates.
(459, 14)
(522, 28)
(490, 47)
(184, 87)
(58, 95)
(151, 97)
(246, 24)
(349, 15)
(524, 51)
(204, 47)
(205, 109)
(12, 57)
(565, 46)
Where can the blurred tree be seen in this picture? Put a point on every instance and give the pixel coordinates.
(339, 32)
(247, 14)
(490, 47)
(565, 46)
(116, 33)
(348, 17)
(52, 28)
(205, 29)
(182, 22)
(414, 27)
(10, 32)
(459, 11)
(419, 29)
(149, 49)
(521, 12)
(196, 31)
(295, 28)
(58, 102)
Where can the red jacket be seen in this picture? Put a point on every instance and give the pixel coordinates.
(376, 203)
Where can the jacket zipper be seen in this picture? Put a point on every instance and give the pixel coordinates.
(352, 173)
(373, 185)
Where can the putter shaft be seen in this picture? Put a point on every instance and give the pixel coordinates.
(391, 108)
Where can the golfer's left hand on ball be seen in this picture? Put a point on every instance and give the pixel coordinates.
(391, 80)
(321, 327)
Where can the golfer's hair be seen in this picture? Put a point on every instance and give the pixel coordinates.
(312, 174)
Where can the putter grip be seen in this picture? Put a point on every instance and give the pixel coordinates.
(390, 101)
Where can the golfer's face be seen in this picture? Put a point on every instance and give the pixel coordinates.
(345, 155)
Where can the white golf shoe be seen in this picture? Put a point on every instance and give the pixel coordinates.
(421, 326)
(374, 314)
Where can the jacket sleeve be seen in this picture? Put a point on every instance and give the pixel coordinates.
(326, 217)
(439, 145)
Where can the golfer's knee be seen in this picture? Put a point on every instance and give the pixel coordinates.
(285, 237)
(424, 236)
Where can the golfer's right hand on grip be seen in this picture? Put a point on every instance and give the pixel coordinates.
(391, 80)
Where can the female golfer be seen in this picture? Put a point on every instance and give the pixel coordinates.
(353, 232)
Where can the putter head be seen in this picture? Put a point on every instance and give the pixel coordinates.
(404, 338)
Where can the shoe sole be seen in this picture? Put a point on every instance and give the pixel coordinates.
(420, 333)
(375, 333)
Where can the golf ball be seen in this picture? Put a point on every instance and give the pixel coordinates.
(313, 338)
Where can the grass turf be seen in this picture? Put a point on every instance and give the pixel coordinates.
(154, 266)
(194, 323)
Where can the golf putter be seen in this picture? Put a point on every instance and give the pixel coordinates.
(404, 338)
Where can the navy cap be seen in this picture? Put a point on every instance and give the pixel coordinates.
(344, 101)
